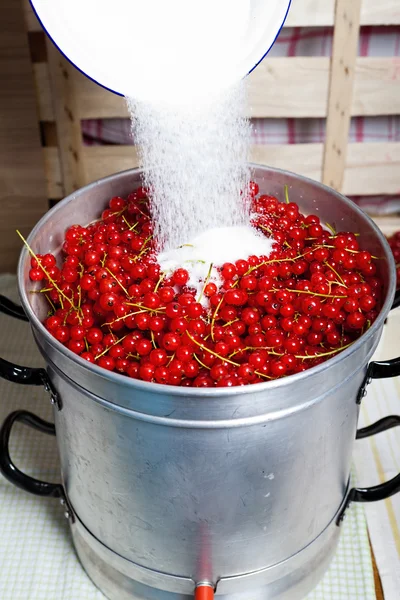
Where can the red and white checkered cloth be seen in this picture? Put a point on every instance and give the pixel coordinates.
(302, 41)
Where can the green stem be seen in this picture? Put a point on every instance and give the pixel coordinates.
(286, 188)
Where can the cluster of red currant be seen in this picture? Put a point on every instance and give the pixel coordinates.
(394, 243)
(271, 316)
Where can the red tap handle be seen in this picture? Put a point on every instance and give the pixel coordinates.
(204, 592)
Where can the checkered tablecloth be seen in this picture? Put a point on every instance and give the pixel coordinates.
(36, 553)
(300, 41)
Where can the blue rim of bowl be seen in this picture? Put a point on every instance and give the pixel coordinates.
(119, 93)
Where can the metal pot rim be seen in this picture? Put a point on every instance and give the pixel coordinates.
(207, 392)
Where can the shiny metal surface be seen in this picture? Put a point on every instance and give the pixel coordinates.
(205, 484)
(291, 579)
(186, 500)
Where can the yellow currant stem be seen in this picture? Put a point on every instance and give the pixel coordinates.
(53, 283)
(86, 344)
(266, 229)
(79, 297)
(310, 292)
(200, 363)
(146, 308)
(153, 341)
(141, 212)
(262, 375)
(230, 322)
(279, 260)
(336, 273)
(109, 347)
(130, 227)
(211, 351)
(286, 188)
(207, 279)
(117, 280)
(214, 316)
(331, 229)
(331, 237)
(240, 350)
(255, 348)
(144, 248)
(137, 312)
(353, 251)
(335, 351)
(42, 291)
(159, 282)
(193, 262)
(171, 359)
(50, 302)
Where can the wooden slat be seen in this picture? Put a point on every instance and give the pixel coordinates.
(31, 22)
(377, 578)
(102, 160)
(68, 123)
(22, 182)
(388, 225)
(376, 87)
(372, 168)
(43, 91)
(319, 13)
(304, 159)
(304, 13)
(95, 100)
(52, 163)
(279, 87)
(289, 87)
(344, 55)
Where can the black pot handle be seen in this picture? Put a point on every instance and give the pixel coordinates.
(17, 373)
(379, 426)
(396, 301)
(23, 375)
(376, 492)
(29, 376)
(7, 467)
(381, 369)
(8, 307)
(17, 477)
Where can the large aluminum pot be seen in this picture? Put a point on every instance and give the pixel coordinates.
(166, 487)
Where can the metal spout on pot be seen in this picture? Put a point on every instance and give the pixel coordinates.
(204, 591)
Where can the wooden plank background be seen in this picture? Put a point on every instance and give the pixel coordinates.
(370, 169)
(23, 197)
(279, 87)
(344, 55)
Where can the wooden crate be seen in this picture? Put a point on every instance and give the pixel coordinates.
(296, 87)
(300, 87)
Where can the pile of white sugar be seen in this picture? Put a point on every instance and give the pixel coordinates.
(202, 255)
